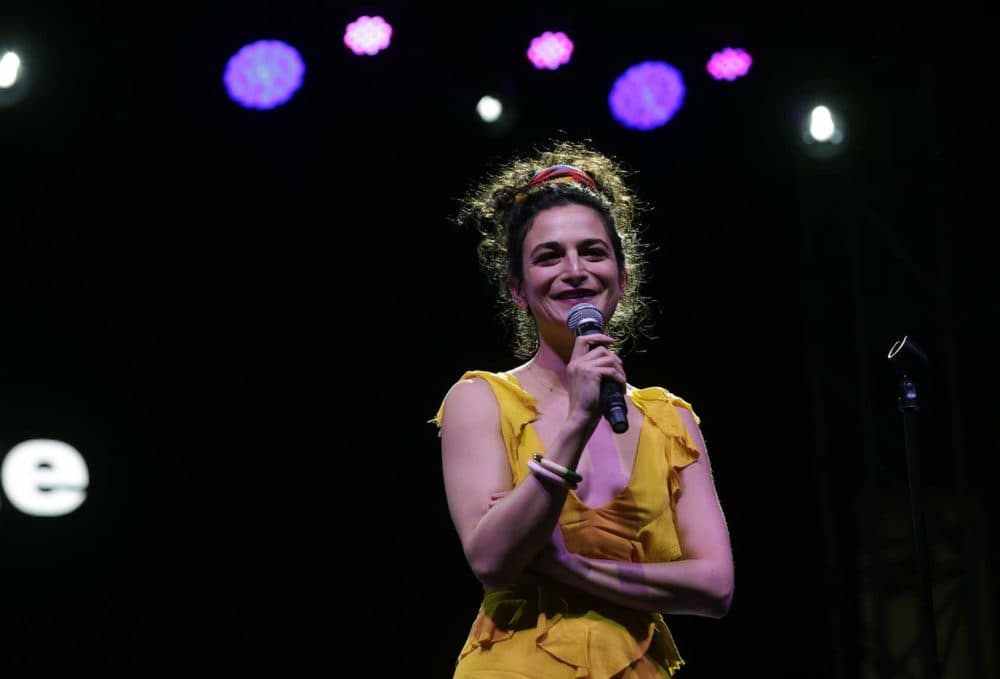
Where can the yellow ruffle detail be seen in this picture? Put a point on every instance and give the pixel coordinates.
(658, 405)
(597, 638)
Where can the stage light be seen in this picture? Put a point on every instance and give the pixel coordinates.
(497, 110)
(489, 109)
(13, 83)
(647, 95)
(729, 64)
(10, 68)
(368, 35)
(550, 50)
(822, 133)
(821, 127)
(264, 74)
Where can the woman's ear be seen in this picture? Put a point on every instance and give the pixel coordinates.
(514, 288)
(622, 284)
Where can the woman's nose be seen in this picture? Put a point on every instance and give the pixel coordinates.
(573, 264)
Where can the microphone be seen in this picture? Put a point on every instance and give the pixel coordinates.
(586, 319)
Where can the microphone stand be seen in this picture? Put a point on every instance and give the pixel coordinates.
(905, 355)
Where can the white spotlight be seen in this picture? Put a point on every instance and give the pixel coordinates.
(822, 132)
(822, 127)
(13, 77)
(10, 68)
(489, 109)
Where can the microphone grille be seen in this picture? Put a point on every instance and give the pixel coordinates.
(583, 314)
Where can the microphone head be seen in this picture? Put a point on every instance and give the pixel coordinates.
(583, 315)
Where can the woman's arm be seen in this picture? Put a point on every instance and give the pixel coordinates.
(498, 541)
(699, 583)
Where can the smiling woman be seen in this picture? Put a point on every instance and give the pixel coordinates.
(568, 259)
(581, 535)
(503, 206)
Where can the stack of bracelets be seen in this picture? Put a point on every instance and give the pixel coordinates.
(554, 472)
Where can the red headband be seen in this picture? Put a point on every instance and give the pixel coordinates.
(557, 173)
(566, 172)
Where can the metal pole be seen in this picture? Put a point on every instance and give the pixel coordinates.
(909, 406)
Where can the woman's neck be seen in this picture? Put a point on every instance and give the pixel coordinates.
(548, 367)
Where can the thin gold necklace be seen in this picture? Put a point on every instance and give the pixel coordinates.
(548, 385)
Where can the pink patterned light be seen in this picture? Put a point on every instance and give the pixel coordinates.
(368, 35)
(729, 64)
(550, 50)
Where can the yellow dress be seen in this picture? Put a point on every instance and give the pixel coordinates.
(542, 629)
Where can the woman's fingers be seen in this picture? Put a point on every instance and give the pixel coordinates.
(585, 343)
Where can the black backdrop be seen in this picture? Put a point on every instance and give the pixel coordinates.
(244, 320)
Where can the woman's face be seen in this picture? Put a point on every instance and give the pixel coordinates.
(568, 258)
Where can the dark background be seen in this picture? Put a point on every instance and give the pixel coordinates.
(244, 320)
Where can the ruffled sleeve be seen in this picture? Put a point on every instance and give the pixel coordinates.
(659, 405)
(518, 409)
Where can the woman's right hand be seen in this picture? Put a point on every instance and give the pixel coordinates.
(592, 361)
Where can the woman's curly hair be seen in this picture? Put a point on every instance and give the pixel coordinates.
(501, 207)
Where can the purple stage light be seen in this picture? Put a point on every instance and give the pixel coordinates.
(263, 74)
(647, 95)
(729, 64)
(368, 35)
(550, 50)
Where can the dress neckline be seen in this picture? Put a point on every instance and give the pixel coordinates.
(635, 462)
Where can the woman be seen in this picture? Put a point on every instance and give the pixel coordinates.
(581, 537)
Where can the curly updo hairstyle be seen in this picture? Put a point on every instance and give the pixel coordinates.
(502, 207)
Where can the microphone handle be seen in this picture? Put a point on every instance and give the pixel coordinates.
(612, 394)
(613, 405)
